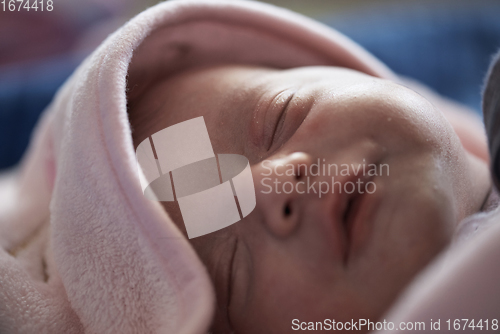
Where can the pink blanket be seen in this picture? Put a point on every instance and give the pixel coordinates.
(82, 250)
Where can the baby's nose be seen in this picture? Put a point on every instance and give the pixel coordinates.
(279, 191)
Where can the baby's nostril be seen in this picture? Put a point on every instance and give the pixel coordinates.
(301, 172)
(287, 210)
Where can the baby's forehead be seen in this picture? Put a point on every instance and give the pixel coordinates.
(212, 92)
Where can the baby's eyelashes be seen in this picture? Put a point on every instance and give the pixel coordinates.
(278, 115)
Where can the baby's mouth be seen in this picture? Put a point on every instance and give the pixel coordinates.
(354, 217)
(350, 214)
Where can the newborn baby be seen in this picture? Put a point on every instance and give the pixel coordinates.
(83, 250)
(299, 255)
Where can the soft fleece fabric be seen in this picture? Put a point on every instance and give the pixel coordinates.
(82, 250)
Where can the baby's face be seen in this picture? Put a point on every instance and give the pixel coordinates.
(345, 255)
